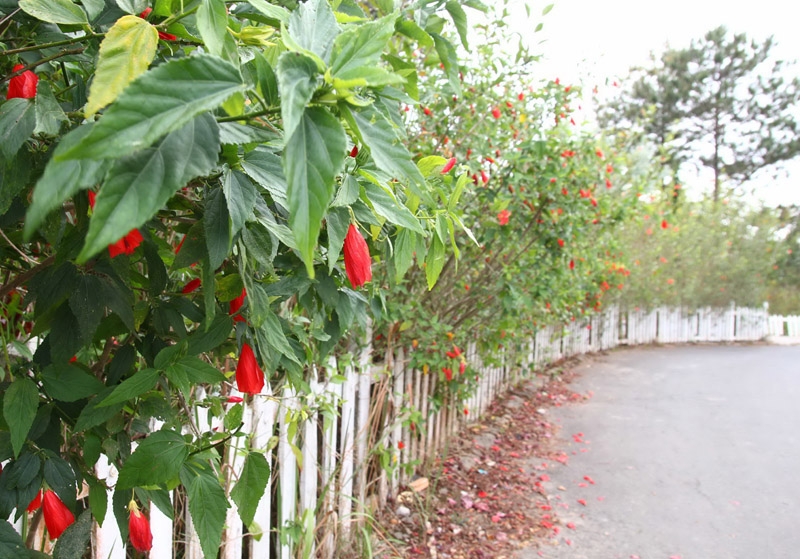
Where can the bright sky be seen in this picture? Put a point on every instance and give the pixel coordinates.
(591, 40)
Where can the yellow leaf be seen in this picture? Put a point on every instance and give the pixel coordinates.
(125, 53)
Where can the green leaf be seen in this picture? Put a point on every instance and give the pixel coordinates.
(161, 100)
(360, 47)
(87, 307)
(312, 28)
(249, 490)
(272, 331)
(202, 341)
(547, 9)
(314, 155)
(74, 541)
(20, 403)
(196, 371)
(94, 414)
(267, 80)
(348, 192)
(133, 6)
(270, 10)
(298, 78)
(54, 11)
(49, 114)
(142, 381)
(218, 231)
(125, 53)
(212, 23)
(170, 355)
(387, 148)
(61, 478)
(11, 545)
(411, 30)
(141, 184)
(63, 179)
(240, 195)
(258, 244)
(434, 262)
(98, 500)
(17, 123)
(404, 252)
(448, 56)
(265, 168)
(337, 223)
(207, 505)
(459, 19)
(387, 206)
(157, 460)
(69, 383)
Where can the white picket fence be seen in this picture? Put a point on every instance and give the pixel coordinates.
(784, 326)
(387, 429)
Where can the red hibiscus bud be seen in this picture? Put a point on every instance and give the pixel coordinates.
(36, 502)
(451, 354)
(235, 399)
(484, 177)
(462, 367)
(56, 514)
(664, 224)
(496, 112)
(22, 86)
(561, 242)
(449, 165)
(502, 217)
(357, 262)
(571, 264)
(427, 111)
(147, 11)
(92, 197)
(139, 529)
(599, 153)
(236, 304)
(167, 36)
(354, 151)
(191, 286)
(126, 245)
(177, 248)
(521, 96)
(448, 373)
(249, 376)
(401, 445)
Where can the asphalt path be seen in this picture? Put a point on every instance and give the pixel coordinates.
(693, 451)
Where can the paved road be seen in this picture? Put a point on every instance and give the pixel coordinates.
(694, 451)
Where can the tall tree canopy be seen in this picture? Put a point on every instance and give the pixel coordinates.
(723, 103)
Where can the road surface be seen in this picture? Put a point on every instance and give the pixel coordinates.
(694, 452)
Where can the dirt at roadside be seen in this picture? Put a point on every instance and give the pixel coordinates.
(487, 498)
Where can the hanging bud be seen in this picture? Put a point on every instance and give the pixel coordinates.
(357, 262)
(139, 529)
(56, 514)
(249, 376)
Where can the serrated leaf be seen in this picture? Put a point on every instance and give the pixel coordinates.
(93, 414)
(198, 371)
(20, 403)
(87, 307)
(142, 381)
(272, 331)
(434, 261)
(61, 478)
(125, 53)
(54, 11)
(249, 490)
(459, 19)
(17, 123)
(387, 206)
(240, 195)
(207, 505)
(202, 340)
(212, 23)
(159, 101)
(217, 229)
(69, 383)
(265, 168)
(337, 223)
(314, 155)
(49, 114)
(158, 459)
(141, 184)
(270, 10)
(312, 28)
(63, 179)
(359, 48)
(404, 252)
(298, 78)
(259, 245)
(387, 148)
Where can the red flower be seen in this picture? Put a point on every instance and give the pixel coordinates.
(462, 367)
(354, 151)
(599, 153)
(177, 248)
(249, 376)
(56, 514)
(22, 86)
(448, 373)
(139, 529)
(571, 264)
(191, 286)
(561, 242)
(449, 165)
(521, 96)
(92, 197)
(496, 112)
(235, 399)
(236, 304)
(357, 262)
(427, 111)
(401, 445)
(167, 36)
(664, 224)
(147, 11)
(126, 245)
(484, 177)
(36, 502)
(502, 217)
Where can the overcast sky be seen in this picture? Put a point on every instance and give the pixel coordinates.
(591, 41)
